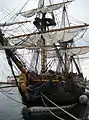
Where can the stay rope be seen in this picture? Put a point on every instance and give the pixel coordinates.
(10, 97)
(51, 111)
(60, 107)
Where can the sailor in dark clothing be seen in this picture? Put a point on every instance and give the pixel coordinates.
(37, 23)
(48, 21)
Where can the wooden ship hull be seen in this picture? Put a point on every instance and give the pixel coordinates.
(61, 92)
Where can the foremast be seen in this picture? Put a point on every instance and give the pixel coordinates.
(10, 54)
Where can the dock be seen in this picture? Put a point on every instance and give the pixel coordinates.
(7, 83)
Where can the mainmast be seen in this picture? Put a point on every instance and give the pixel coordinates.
(41, 25)
(45, 22)
(43, 54)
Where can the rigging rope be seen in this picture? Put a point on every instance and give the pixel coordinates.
(10, 97)
(24, 5)
(59, 107)
(7, 90)
(51, 111)
(10, 63)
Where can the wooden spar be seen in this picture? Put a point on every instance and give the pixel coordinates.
(43, 49)
(31, 47)
(13, 23)
(18, 63)
(53, 30)
(43, 55)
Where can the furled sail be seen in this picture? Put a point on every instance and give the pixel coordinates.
(43, 9)
(41, 3)
(73, 51)
(51, 36)
(34, 60)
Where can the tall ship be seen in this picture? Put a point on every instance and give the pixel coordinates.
(41, 46)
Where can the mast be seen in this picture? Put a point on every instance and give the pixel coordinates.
(43, 55)
(45, 22)
(65, 44)
(10, 54)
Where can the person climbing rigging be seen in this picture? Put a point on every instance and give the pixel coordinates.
(49, 22)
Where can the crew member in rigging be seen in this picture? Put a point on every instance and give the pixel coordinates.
(47, 21)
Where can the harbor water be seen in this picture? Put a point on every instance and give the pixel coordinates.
(11, 107)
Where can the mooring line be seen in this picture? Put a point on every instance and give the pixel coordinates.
(60, 108)
(50, 110)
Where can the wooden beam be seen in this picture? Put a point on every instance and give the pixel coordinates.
(53, 30)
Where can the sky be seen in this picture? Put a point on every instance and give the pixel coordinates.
(78, 9)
